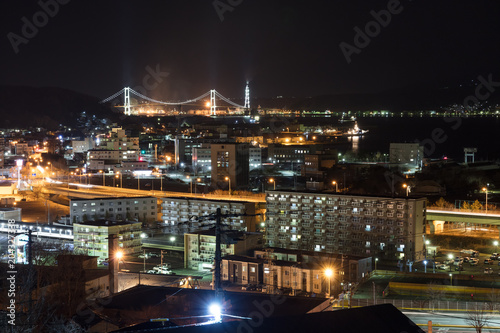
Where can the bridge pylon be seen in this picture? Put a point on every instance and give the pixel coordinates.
(212, 103)
(126, 94)
(247, 97)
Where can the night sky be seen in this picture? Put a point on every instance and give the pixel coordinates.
(288, 48)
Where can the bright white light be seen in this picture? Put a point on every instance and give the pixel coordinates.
(215, 310)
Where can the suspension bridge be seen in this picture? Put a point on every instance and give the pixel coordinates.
(126, 92)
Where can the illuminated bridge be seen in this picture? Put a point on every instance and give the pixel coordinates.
(461, 219)
(214, 94)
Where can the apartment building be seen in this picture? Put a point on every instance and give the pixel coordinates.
(254, 158)
(230, 165)
(91, 237)
(294, 269)
(142, 209)
(280, 154)
(411, 154)
(116, 139)
(199, 247)
(202, 158)
(112, 149)
(347, 224)
(179, 213)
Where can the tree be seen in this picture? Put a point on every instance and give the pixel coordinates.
(477, 317)
(476, 205)
(466, 206)
(434, 294)
(442, 203)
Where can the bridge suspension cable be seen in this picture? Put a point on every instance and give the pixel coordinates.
(112, 96)
(169, 103)
(212, 94)
(227, 100)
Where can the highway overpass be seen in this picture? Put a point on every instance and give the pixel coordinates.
(438, 217)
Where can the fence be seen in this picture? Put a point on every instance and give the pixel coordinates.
(424, 305)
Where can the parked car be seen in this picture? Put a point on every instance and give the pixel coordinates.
(473, 262)
(466, 259)
(488, 261)
(458, 262)
(445, 267)
(249, 287)
(493, 257)
(488, 270)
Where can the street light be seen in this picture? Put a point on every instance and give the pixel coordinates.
(451, 279)
(191, 186)
(336, 186)
(495, 243)
(407, 187)
(274, 182)
(119, 174)
(425, 265)
(228, 179)
(329, 274)
(485, 189)
(103, 179)
(450, 257)
(196, 185)
(376, 260)
(119, 256)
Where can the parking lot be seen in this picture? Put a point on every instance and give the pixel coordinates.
(444, 258)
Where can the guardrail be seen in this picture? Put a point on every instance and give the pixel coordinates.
(423, 305)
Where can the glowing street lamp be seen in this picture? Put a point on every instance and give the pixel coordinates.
(229, 180)
(376, 260)
(191, 185)
(274, 183)
(103, 179)
(118, 257)
(425, 265)
(336, 186)
(196, 185)
(485, 189)
(329, 274)
(450, 257)
(407, 187)
(119, 174)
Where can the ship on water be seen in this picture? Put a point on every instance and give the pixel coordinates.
(355, 131)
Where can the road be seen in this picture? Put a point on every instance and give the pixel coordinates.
(106, 191)
(451, 322)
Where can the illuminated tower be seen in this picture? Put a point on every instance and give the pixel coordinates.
(212, 102)
(247, 97)
(126, 93)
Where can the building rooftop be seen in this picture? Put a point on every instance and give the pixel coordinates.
(244, 258)
(314, 254)
(329, 192)
(207, 199)
(105, 223)
(113, 198)
(211, 232)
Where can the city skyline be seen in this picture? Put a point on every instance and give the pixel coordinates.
(181, 50)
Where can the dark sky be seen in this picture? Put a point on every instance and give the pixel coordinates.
(288, 48)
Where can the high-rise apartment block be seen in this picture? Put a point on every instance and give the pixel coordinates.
(348, 224)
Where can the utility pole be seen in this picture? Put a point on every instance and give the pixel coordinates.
(218, 253)
(270, 286)
(218, 257)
